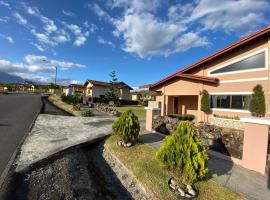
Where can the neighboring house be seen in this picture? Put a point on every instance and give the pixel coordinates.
(72, 89)
(97, 88)
(229, 75)
(142, 93)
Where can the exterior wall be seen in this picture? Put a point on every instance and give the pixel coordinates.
(232, 83)
(99, 90)
(125, 94)
(188, 105)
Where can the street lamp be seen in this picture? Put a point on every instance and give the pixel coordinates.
(55, 78)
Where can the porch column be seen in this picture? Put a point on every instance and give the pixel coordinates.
(150, 113)
(255, 143)
(199, 112)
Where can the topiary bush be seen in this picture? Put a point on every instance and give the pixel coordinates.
(76, 107)
(205, 107)
(127, 127)
(184, 155)
(257, 103)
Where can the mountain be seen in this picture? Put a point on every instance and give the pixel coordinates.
(7, 78)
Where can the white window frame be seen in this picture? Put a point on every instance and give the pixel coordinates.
(230, 109)
(265, 50)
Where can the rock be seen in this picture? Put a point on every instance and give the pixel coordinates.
(181, 192)
(188, 196)
(173, 182)
(191, 191)
(129, 144)
(173, 186)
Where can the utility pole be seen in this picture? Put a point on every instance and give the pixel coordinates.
(55, 80)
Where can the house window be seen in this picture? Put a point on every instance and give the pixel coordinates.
(253, 62)
(230, 101)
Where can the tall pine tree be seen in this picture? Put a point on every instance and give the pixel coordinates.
(113, 93)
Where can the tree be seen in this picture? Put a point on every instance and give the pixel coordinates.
(113, 93)
(184, 155)
(205, 101)
(257, 103)
(127, 127)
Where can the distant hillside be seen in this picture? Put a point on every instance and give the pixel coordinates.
(7, 78)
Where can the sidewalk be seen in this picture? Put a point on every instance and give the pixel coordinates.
(249, 184)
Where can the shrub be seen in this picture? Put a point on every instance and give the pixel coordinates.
(127, 127)
(205, 101)
(70, 99)
(87, 113)
(76, 107)
(128, 102)
(186, 117)
(184, 154)
(257, 103)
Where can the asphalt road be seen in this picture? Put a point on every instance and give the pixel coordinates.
(17, 112)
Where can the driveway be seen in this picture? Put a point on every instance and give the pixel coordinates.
(17, 112)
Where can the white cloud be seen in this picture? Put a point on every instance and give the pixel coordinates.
(233, 16)
(43, 38)
(38, 68)
(80, 36)
(4, 3)
(145, 33)
(146, 36)
(39, 47)
(190, 40)
(101, 40)
(68, 13)
(132, 6)
(4, 19)
(44, 61)
(100, 12)
(8, 38)
(20, 19)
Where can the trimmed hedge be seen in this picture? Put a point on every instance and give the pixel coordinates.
(185, 117)
(71, 99)
(128, 102)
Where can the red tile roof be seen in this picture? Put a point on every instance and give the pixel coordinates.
(235, 45)
(106, 84)
(145, 86)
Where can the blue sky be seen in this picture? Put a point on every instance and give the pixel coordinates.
(143, 41)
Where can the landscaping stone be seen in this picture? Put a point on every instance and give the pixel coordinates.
(224, 140)
(111, 110)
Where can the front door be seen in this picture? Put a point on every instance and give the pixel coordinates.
(176, 104)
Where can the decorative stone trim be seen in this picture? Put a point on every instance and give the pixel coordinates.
(256, 120)
(227, 123)
(126, 177)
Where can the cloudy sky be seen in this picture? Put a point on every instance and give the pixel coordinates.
(142, 40)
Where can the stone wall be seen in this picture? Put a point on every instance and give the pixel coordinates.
(164, 124)
(227, 141)
(226, 123)
(107, 109)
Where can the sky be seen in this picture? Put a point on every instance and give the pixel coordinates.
(142, 40)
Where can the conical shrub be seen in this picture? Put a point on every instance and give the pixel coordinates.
(127, 127)
(257, 103)
(184, 154)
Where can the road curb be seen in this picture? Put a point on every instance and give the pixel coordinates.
(8, 169)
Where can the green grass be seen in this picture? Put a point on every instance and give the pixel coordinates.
(140, 159)
(139, 111)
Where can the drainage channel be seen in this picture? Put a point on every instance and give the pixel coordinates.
(80, 173)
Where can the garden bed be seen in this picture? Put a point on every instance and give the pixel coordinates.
(140, 160)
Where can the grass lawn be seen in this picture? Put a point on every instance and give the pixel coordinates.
(67, 107)
(138, 111)
(140, 159)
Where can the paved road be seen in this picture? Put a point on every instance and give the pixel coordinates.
(17, 112)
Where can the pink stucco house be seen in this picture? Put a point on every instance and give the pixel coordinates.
(229, 75)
